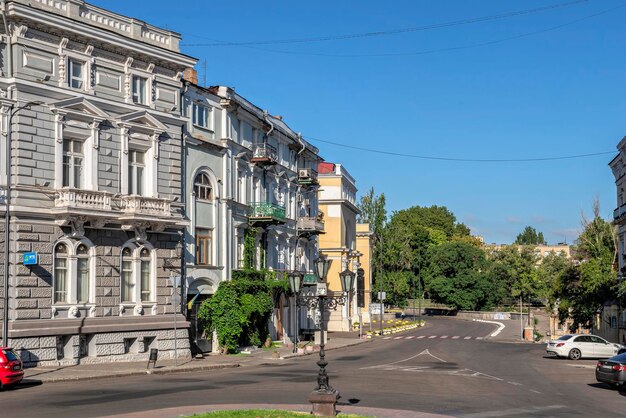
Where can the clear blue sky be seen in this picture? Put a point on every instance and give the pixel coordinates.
(560, 92)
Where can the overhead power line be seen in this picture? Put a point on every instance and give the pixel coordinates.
(447, 49)
(394, 31)
(471, 160)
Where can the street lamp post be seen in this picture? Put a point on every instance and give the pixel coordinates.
(324, 397)
(295, 283)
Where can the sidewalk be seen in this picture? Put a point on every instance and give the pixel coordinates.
(213, 361)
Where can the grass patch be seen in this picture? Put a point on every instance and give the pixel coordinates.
(263, 413)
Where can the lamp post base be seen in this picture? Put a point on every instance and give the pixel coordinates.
(323, 403)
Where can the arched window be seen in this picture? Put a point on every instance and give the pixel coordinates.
(128, 282)
(60, 273)
(73, 272)
(145, 275)
(82, 263)
(137, 273)
(202, 187)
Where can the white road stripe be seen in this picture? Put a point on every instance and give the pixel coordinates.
(420, 337)
(432, 336)
(535, 391)
(479, 338)
(410, 337)
(467, 338)
(397, 338)
(386, 338)
(456, 337)
(443, 336)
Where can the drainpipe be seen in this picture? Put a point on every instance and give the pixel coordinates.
(7, 226)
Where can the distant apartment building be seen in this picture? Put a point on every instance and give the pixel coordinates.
(90, 114)
(245, 170)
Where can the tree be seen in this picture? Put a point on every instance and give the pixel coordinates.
(516, 269)
(455, 274)
(594, 280)
(530, 237)
(373, 211)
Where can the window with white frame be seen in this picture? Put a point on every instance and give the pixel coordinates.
(204, 246)
(75, 74)
(136, 170)
(241, 186)
(137, 274)
(73, 273)
(202, 187)
(72, 163)
(140, 85)
(240, 249)
(202, 116)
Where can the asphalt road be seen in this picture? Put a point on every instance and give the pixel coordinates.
(445, 368)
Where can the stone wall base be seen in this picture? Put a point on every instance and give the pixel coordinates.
(65, 350)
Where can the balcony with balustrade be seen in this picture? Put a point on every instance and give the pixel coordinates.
(70, 202)
(619, 215)
(264, 154)
(310, 225)
(135, 208)
(265, 214)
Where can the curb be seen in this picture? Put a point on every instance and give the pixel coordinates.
(132, 373)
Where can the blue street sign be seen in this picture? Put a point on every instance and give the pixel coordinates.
(30, 259)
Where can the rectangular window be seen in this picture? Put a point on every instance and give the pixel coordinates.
(76, 74)
(60, 280)
(128, 281)
(203, 246)
(136, 167)
(201, 116)
(72, 163)
(241, 187)
(240, 247)
(139, 90)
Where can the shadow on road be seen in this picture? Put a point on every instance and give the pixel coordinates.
(25, 384)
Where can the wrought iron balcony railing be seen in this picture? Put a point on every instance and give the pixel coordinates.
(264, 153)
(267, 210)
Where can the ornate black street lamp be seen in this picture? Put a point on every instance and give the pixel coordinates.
(295, 283)
(324, 396)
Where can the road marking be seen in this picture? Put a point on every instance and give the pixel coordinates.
(582, 366)
(467, 338)
(499, 324)
(535, 391)
(410, 337)
(432, 336)
(514, 383)
(479, 338)
(456, 337)
(397, 338)
(420, 337)
(444, 336)
(514, 411)
(386, 338)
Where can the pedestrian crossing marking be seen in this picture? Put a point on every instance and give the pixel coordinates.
(386, 338)
(420, 337)
(479, 338)
(467, 338)
(432, 336)
(410, 337)
(397, 338)
(456, 337)
(443, 336)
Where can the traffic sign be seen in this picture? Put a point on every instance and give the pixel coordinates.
(382, 295)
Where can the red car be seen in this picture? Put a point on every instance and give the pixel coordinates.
(11, 370)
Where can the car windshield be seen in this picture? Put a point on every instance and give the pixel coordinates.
(564, 337)
(10, 355)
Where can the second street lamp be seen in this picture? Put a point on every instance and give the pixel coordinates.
(324, 397)
(295, 283)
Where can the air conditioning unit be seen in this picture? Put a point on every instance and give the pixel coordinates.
(304, 173)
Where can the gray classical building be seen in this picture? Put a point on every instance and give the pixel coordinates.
(92, 185)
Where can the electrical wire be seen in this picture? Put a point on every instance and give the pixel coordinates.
(394, 31)
(471, 160)
(447, 49)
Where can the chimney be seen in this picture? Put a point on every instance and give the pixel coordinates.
(190, 75)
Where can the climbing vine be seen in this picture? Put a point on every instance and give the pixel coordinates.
(239, 311)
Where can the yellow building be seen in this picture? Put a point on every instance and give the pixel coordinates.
(344, 242)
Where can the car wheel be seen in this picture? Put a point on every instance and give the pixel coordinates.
(574, 354)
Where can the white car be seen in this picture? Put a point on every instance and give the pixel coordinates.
(577, 346)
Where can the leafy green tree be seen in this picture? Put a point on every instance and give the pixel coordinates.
(551, 271)
(515, 268)
(373, 211)
(530, 236)
(593, 280)
(456, 274)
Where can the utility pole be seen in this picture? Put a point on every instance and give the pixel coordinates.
(380, 295)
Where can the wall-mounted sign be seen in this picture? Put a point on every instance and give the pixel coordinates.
(30, 259)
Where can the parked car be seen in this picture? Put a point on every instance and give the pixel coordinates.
(11, 367)
(577, 346)
(612, 371)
